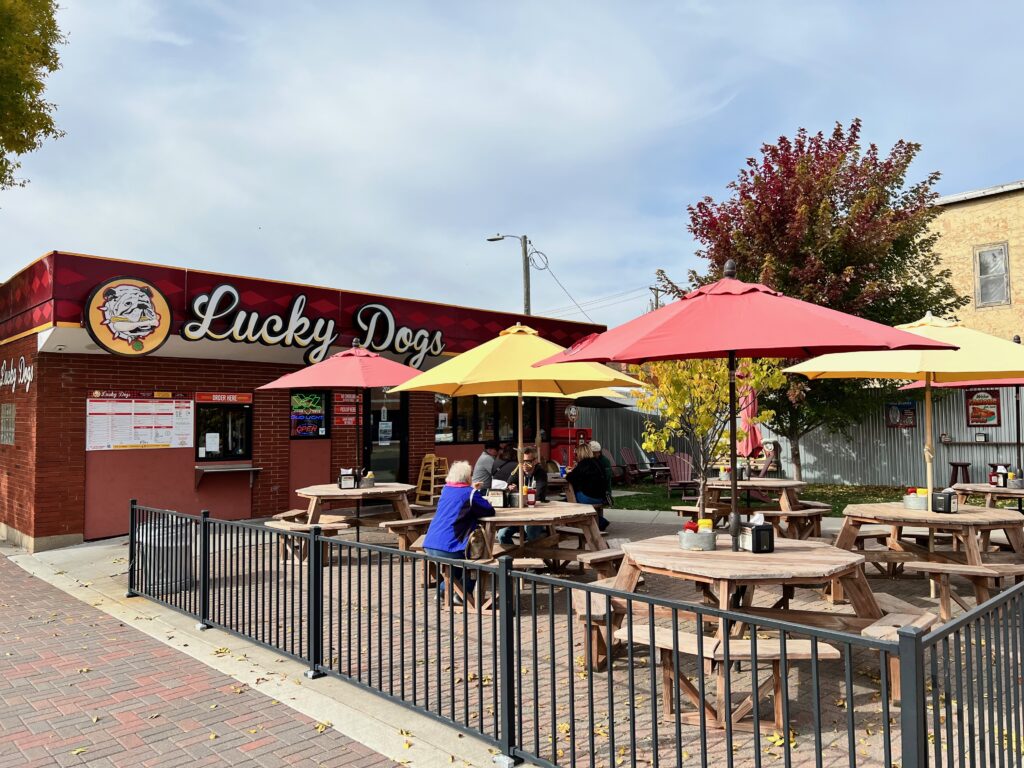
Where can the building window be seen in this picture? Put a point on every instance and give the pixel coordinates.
(7, 424)
(992, 275)
(478, 419)
(465, 420)
(223, 432)
(444, 431)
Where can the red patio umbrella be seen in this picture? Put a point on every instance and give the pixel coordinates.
(751, 445)
(355, 368)
(732, 319)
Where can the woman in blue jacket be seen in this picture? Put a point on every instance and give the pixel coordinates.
(459, 510)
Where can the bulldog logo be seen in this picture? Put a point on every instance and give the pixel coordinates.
(128, 316)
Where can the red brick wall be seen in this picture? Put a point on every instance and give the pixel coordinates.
(346, 449)
(64, 384)
(43, 481)
(17, 462)
(422, 423)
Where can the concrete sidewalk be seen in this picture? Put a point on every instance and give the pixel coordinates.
(96, 574)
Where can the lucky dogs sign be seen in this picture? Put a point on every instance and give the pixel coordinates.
(131, 317)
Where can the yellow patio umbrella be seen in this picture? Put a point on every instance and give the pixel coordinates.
(506, 365)
(980, 356)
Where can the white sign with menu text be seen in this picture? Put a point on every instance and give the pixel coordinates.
(123, 424)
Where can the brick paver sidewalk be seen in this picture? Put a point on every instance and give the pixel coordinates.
(79, 688)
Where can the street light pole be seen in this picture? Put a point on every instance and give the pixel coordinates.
(524, 242)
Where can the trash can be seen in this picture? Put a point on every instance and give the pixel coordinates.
(166, 550)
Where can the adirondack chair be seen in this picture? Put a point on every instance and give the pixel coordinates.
(634, 471)
(619, 473)
(680, 468)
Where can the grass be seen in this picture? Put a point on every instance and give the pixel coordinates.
(650, 496)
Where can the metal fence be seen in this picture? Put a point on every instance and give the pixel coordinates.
(567, 673)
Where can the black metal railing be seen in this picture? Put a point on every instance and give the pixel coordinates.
(566, 673)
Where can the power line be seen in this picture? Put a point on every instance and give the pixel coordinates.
(559, 310)
(543, 263)
(605, 305)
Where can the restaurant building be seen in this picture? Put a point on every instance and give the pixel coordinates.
(122, 380)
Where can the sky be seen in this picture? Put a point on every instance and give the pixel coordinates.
(373, 146)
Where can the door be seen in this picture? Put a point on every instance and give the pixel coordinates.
(386, 435)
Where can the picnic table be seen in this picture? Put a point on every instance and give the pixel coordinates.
(970, 527)
(990, 492)
(787, 490)
(790, 524)
(729, 579)
(319, 511)
(563, 521)
(321, 496)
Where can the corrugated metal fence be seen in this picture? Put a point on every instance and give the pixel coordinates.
(879, 455)
(874, 454)
(617, 428)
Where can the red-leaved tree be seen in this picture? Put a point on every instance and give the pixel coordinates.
(820, 218)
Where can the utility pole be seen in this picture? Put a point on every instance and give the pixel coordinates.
(525, 242)
(657, 296)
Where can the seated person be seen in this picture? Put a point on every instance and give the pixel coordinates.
(504, 465)
(485, 466)
(459, 509)
(588, 482)
(534, 476)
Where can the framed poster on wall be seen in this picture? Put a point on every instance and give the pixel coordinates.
(901, 415)
(308, 415)
(983, 407)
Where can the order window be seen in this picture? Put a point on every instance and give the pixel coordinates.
(223, 432)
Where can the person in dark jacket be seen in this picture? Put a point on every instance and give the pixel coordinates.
(588, 482)
(459, 509)
(505, 464)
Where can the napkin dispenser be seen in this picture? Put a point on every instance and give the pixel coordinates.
(757, 537)
(945, 502)
(349, 478)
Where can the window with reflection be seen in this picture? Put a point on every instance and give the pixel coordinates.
(465, 420)
(444, 426)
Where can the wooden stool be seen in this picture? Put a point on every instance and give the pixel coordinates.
(963, 468)
(994, 467)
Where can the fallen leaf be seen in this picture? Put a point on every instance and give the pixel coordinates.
(78, 750)
(212, 736)
(83, 670)
(321, 727)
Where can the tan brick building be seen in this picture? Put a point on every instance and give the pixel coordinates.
(982, 242)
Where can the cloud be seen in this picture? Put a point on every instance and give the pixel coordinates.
(373, 146)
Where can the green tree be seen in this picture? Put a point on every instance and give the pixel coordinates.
(692, 399)
(29, 37)
(821, 219)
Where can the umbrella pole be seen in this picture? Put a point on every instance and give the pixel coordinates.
(536, 429)
(519, 412)
(929, 451)
(734, 501)
(1016, 402)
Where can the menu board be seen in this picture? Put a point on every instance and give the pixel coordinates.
(124, 423)
(309, 414)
